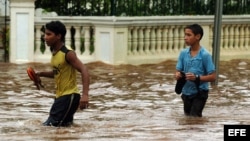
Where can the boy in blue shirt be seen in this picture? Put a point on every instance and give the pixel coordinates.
(197, 65)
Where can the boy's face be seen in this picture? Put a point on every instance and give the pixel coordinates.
(51, 38)
(190, 38)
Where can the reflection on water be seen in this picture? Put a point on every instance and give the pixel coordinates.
(126, 103)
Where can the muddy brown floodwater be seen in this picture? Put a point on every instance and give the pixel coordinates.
(127, 103)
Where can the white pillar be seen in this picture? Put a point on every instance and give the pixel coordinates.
(111, 44)
(21, 31)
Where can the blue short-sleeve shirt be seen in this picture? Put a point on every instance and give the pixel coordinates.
(201, 64)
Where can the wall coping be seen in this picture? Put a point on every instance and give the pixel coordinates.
(150, 20)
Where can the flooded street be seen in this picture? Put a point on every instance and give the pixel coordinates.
(127, 103)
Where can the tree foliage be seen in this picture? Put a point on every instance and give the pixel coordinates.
(141, 7)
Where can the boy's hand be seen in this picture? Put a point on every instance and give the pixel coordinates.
(84, 102)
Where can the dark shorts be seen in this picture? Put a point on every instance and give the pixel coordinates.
(194, 104)
(63, 110)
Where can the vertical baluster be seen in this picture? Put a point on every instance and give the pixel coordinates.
(86, 34)
(158, 39)
(226, 37)
(210, 38)
(164, 39)
(222, 36)
(129, 41)
(47, 48)
(147, 39)
(231, 37)
(77, 40)
(247, 36)
(176, 39)
(241, 36)
(152, 40)
(236, 36)
(140, 40)
(170, 39)
(222, 43)
(37, 40)
(135, 41)
(67, 37)
(181, 37)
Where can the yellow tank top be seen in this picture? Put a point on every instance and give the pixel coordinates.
(64, 74)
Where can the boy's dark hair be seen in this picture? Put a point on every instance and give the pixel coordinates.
(196, 29)
(57, 27)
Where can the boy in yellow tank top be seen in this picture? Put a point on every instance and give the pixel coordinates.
(65, 65)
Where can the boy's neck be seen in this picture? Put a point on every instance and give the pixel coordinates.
(195, 47)
(194, 50)
(57, 47)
